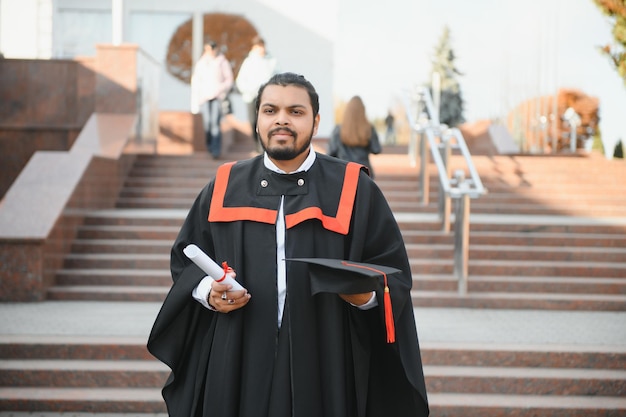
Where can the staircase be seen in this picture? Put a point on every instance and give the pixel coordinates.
(529, 249)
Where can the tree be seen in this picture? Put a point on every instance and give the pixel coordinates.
(451, 103)
(616, 11)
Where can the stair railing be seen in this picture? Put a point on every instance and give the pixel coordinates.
(442, 141)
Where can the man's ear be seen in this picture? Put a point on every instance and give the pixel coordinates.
(316, 124)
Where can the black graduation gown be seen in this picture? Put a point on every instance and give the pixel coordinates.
(328, 358)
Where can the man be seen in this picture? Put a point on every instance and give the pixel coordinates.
(275, 348)
(211, 81)
(256, 69)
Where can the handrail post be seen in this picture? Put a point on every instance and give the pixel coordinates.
(424, 181)
(444, 198)
(413, 148)
(461, 233)
(461, 241)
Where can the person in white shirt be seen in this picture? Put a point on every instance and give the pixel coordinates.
(255, 70)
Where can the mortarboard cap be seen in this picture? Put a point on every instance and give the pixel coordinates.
(343, 277)
(347, 277)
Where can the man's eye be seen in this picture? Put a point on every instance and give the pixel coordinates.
(268, 111)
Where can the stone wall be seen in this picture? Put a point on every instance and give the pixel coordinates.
(43, 105)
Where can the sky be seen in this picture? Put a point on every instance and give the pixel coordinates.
(489, 37)
(507, 50)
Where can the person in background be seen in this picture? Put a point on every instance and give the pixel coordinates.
(256, 69)
(211, 81)
(355, 138)
(279, 348)
(390, 133)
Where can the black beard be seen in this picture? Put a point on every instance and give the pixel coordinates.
(286, 154)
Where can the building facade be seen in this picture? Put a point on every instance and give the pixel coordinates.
(66, 29)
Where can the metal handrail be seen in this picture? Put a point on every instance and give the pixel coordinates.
(441, 140)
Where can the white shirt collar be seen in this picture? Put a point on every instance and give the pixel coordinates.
(306, 165)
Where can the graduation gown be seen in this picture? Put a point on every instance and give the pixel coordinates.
(328, 358)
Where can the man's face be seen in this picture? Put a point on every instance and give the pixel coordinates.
(285, 122)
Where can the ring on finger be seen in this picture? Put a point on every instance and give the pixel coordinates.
(231, 301)
(224, 295)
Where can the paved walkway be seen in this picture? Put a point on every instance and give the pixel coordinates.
(435, 325)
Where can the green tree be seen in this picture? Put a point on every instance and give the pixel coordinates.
(451, 107)
(616, 11)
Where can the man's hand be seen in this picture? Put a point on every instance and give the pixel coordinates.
(224, 300)
(357, 299)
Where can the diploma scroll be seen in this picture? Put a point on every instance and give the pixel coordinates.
(210, 267)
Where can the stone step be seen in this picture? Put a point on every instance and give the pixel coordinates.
(525, 381)
(587, 240)
(129, 232)
(149, 217)
(492, 405)
(74, 347)
(118, 261)
(516, 252)
(517, 284)
(163, 203)
(100, 246)
(524, 355)
(108, 293)
(528, 225)
(83, 373)
(114, 277)
(507, 300)
(90, 400)
(497, 267)
(479, 237)
(529, 208)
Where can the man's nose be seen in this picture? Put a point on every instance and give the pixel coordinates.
(282, 118)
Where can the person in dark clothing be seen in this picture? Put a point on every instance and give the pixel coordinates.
(355, 138)
(277, 348)
(390, 132)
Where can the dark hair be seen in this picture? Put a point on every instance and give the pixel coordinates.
(289, 78)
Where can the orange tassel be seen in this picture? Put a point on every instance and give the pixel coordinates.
(389, 324)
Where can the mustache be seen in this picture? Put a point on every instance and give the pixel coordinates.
(281, 129)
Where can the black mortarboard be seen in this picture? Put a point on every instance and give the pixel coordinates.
(339, 276)
(343, 277)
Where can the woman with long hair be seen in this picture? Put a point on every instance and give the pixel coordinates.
(355, 137)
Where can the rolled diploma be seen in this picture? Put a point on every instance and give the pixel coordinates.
(210, 267)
